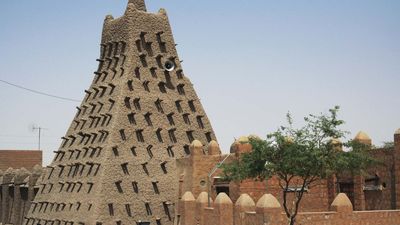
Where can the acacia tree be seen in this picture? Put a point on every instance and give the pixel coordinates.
(299, 157)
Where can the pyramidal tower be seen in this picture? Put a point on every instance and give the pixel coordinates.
(116, 164)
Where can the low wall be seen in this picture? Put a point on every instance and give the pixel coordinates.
(17, 190)
(268, 211)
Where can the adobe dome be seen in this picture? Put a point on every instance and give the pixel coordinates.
(362, 136)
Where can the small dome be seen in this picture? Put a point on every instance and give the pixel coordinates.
(397, 131)
(243, 139)
(362, 136)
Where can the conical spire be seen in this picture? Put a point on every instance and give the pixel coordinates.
(140, 4)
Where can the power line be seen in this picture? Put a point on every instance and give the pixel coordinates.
(39, 92)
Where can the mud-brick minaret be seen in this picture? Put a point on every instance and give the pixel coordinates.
(116, 164)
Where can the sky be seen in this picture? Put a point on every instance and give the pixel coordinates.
(251, 62)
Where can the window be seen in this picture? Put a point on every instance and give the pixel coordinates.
(171, 119)
(186, 118)
(136, 103)
(148, 119)
(178, 106)
(146, 85)
(191, 105)
(158, 134)
(139, 135)
(181, 89)
(171, 134)
(159, 106)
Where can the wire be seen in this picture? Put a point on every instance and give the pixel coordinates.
(39, 92)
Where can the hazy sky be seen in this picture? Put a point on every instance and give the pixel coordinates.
(250, 62)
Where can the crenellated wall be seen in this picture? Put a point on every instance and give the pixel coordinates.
(375, 190)
(268, 211)
(17, 188)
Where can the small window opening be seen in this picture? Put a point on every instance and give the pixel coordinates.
(181, 89)
(143, 59)
(137, 73)
(153, 72)
(149, 152)
(118, 186)
(144, 165)
(139, 135)
(135, 187)
(111, 209)
(172, 137)
(90, 187)
(130, 85)
(191, 105)
(115, 151)
(186, 118)
(136, 103)
(122, 133)
(124, 167)
(147, 117)
(170, 151)
(131, 118)
(155, 187)
(190, 136)
(164, 167)
(208, 136)
(200, 122)
(112, 86)
(128, 210)
(186, 149)
(162, 88)
(159, 106)
(148, 209)
(171, 119)
(159, 136)
(127, 102)
(178, 106)
(133, 150)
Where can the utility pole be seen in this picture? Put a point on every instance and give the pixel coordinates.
(40, 133)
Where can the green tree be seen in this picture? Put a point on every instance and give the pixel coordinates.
(299, 157)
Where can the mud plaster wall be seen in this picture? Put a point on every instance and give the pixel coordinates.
(116, 164)
(17, 190)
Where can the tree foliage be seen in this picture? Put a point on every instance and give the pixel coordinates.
(298, 157)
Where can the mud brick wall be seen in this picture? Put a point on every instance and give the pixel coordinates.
(20, 158)
(17, 190)
(268, 210)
